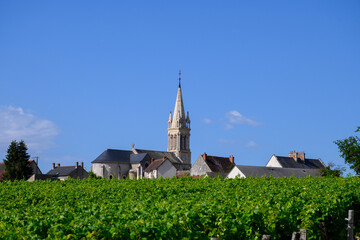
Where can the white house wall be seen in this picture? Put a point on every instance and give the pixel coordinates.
(116, 170)
(167, 170)
(199, 168)
(273, 162)
(235, 172)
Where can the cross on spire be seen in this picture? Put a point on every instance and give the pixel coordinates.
(179, 78)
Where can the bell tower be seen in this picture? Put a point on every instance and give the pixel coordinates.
(179, 130)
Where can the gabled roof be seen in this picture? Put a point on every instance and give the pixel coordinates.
(61, 171)
(159, 155)
(219, 164)
(256, 171)
(289, 162)
(113, 155)
(155, 165)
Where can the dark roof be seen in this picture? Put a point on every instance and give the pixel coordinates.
(159, 155)
(289, 162)
(219, 164)
(256, 171)
(154, 165)
(136, 158)
(61, 171)
(113, 155)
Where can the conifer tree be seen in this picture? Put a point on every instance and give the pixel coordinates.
(16, 162)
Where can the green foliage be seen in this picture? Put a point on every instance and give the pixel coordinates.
(16, 162)
(92, 175)
(182, 208)
(350, 151)
(332, 171)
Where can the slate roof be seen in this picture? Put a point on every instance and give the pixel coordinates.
(136, 158)
(154, 165)
(160, 155)
(61, 171)
(219, 164)
(256, 171)
(113, 155)
(289, 162)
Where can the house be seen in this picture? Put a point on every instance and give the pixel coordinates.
(31, 163)
(113, 163)
(160, 168)
(64, 172)
(255, 171)
(295, 160)
(212, 166)
(120, 164)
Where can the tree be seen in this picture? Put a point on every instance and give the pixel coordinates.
(16, 162)
(332, 170)
(350, 151)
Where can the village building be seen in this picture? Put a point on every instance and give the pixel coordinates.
(120, 164)
(31, 163)
(255, 171)
(160, 168)
(295, 160)
(212, 166)
(65, 172)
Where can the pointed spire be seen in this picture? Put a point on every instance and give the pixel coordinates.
(179, 113)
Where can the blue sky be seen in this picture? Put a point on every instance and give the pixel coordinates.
(258, 77)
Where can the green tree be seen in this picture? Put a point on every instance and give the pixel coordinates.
(332, 171)
(16, 162)
(350, 151)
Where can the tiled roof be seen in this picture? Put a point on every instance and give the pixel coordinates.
(113, 155)
(154, 165)
(61, 171)
(219, 164)
(256, 171)
(289, 162)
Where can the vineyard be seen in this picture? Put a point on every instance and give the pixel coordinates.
(177, 208)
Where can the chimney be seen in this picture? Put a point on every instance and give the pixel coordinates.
(58, 165)
(164, 157)
(152, 160)
(204, 156)
(82, 165)
(53, 166)
(301, 155)
(297, 155)
(77, 164)
(231, 159)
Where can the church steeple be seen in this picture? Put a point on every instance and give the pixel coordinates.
(179, 130)
(179, 114)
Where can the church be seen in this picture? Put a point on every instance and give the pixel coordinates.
(134, 163)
